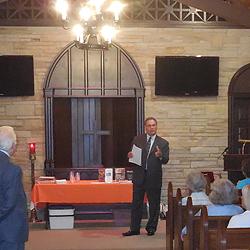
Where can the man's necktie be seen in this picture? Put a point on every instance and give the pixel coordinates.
(147, 150)
(148, 146)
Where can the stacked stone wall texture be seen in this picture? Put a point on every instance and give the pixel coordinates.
(196, 127)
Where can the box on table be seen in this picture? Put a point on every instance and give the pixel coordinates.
(108, 175)
(119, 174)
(61, 216)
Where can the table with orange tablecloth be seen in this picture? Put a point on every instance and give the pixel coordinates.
(83, 192)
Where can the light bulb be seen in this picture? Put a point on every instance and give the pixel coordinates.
(62, 7)
(98, 5)
(79, 33)
(108, 32)
(85, 13)
(116, 8)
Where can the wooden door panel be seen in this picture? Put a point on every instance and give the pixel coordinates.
(62, 133)
(93, 131)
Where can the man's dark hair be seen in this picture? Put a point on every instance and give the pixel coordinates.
(245, 167)
(148, 119)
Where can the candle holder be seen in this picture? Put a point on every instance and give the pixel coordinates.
(32, 157)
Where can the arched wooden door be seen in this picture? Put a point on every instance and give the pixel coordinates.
(239, 110)
(238, 123)
(94, 105)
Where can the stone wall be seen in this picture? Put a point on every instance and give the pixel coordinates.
(196, 127)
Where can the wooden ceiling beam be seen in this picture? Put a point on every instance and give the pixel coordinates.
(231, 10)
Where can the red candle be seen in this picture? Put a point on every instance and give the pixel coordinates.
(32, 147)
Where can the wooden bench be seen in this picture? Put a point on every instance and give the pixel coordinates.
(221, 237)
(177, 217)
(170, 218)
(190, 220)
(203, 230)
(210, 230)
(180, 213)
(234, 238)
(183, 214)
(173, 218)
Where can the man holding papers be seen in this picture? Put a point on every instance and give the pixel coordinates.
(149, 152)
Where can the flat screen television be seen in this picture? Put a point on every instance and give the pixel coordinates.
(16, 75)
(186, 75)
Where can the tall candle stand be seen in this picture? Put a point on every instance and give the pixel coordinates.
(32, 157)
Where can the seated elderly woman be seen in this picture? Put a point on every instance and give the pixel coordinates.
(245, 169)
(222, 196)
(196, 185)
(242, 220)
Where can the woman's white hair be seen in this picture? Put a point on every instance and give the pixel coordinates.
(196, 182)
(7, 138)
(223, 192)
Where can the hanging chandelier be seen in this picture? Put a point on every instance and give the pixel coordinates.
(95, 22)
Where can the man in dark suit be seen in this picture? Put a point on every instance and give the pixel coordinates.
(13, 204)
(147, 178)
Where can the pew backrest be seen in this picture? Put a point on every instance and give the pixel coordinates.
(182, 218)
(170, 218)
(202, 230)
(211, 230)
(234, 238)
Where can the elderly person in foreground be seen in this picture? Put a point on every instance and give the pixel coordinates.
(13, 204)
(242, 220)
(222, 196)
(196, 185)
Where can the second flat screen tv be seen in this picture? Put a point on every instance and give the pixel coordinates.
(186, 75)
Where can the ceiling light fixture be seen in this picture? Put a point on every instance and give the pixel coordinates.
(95, 24)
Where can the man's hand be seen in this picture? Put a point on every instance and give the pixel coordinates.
(130, 154)
(158, 152)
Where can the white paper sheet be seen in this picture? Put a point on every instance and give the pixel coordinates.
(136, 159)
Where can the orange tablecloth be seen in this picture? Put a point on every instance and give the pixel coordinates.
(82, 192)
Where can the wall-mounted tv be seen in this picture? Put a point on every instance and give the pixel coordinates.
(186, 75)
(16, 75)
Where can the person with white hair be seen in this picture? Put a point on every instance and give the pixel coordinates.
(13, 204)
(196, 185)
(223, 196)
(242, 220)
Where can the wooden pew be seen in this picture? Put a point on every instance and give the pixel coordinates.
(203, 230)
(182, 214)
(177, 218)
(211, 230)
(234, 238)
(174, 219)
(179, 221)
(170, 218)
(221, 237)
(191, 222)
